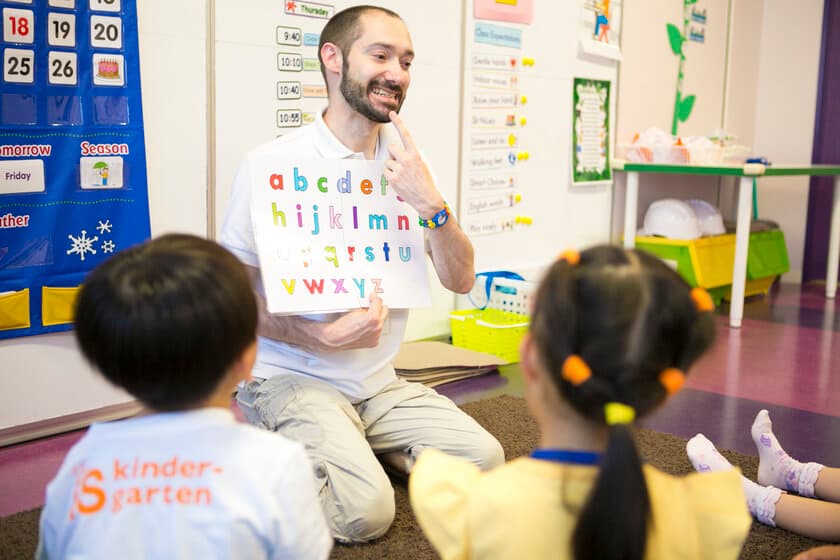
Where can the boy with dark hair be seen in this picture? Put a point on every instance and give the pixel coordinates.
(173, 322)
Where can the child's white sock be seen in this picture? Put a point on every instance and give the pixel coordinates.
(761, 500)
(776, 467)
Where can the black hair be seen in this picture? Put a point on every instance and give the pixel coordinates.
(344, 28)
(165, 320)
(629, 317)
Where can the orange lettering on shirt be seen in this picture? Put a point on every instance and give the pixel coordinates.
(120, 470)
(184, 495)
(92, 491)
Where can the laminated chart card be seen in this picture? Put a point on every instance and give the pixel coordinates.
(72, 156)
(331, 232)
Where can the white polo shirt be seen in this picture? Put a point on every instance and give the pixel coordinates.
(359, 374)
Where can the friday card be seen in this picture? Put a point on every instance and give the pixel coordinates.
(331, 232)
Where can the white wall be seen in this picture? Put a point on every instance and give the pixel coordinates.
(767, 89)
(44, 376)
(173, 55)
(785, 107)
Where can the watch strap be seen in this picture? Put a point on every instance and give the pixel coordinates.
(438, 219)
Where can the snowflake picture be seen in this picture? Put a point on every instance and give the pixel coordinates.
(108, 246)
(82, 245)
(104, 227)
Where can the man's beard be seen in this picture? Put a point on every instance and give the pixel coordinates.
(356, 95)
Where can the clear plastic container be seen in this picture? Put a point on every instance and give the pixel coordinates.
(636, 153)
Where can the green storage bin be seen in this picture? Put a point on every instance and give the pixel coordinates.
(707, 262)
(767, 255)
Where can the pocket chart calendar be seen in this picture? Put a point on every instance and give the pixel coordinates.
(72, 158)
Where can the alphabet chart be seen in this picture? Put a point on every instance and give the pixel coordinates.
(72, 156)
(331, 233)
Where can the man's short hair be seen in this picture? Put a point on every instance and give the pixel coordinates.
(344, 28)
(165, 320)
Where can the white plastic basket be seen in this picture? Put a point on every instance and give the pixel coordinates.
(513, 296)
(499, 320)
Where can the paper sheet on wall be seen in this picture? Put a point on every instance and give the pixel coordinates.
(600, 29)
(331, 232)
(495, 116)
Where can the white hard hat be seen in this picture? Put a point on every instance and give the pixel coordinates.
(671, 218)
(708, 216)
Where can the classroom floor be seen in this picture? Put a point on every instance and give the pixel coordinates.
(785, 358)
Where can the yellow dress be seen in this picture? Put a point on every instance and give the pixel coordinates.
(527, 508)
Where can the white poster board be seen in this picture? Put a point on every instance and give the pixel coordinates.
(518, 204)
(331, 232)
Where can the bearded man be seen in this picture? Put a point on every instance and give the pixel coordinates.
(327, 380)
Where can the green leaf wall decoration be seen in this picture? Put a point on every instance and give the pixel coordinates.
(677, 38)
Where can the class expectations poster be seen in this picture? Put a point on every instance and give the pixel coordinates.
(72, 157)
(332, 232)
(591, 132)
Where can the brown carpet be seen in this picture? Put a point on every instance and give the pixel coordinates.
(506, 418)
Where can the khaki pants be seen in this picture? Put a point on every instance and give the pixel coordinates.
(342, 440)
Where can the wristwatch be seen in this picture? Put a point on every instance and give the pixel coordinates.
(438, 219)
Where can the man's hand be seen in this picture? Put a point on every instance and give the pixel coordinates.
(360, 328)
(409, 176)
(451, 251)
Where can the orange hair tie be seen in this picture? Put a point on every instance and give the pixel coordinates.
(702, 300)
(570, 256)
(575, 370)
(672, 379)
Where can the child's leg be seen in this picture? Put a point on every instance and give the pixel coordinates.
(827, 486)
(777, 468)
(829, 552)
(809, 517)
(761, 500)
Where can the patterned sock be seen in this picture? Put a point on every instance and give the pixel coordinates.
(761, 500)
(775, 466)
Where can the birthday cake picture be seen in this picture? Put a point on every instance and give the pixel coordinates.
(108, 68)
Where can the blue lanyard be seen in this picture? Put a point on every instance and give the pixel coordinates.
(566, 456)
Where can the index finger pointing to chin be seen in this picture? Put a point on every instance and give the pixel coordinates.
(405, 136)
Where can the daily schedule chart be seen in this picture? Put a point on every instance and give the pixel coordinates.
(73, 186)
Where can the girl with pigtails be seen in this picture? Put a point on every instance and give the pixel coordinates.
(612, 334)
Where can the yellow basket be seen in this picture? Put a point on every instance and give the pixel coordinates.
(489, 330)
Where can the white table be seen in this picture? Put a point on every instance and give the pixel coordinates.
(747, 173)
